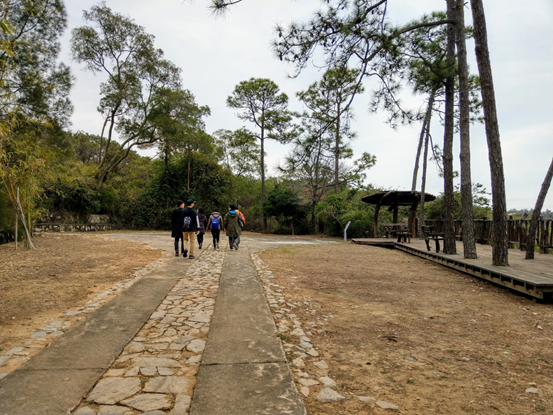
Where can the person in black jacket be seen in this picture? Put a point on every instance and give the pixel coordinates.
(176, 227)
(190, 226)
(202, 219)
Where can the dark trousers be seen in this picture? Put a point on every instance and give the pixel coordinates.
(200, 238)
(216, 234)
(232, 241)
(177, 244)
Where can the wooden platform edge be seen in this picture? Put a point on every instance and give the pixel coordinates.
(383, 243)
(540, 291)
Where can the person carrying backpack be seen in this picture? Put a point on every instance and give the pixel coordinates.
(232, 226)
(190, 226)
(202, 220)
(215, 224)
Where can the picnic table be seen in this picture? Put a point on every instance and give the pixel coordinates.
(400, 230)
(429, 234)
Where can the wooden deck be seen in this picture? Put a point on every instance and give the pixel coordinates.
(531, 277)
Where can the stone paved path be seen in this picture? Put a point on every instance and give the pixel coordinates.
(156, 372)
(244, 370)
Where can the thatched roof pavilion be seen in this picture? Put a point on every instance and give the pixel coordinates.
(394, 199)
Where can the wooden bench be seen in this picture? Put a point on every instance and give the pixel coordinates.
(397, 229)
(430, 235)
(389, 228)
(403, 233)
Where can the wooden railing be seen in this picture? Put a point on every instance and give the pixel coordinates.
(517, 231)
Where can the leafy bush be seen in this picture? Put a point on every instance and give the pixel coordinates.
(285, 205)
(66, 193)
(435, 209)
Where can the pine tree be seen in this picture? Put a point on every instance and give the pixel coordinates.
(262, 104)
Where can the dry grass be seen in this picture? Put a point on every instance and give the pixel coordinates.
(406, 331)
(63, 272)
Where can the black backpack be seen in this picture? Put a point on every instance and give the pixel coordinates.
(187, 224)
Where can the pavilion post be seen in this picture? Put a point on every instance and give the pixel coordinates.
(396, 209)
(376, 210)
(413, 217)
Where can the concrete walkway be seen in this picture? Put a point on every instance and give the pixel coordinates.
(244, 369)
(140, 353)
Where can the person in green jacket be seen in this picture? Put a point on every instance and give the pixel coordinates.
(232, 227)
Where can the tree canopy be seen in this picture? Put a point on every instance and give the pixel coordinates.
(32, 81)
(142, 100)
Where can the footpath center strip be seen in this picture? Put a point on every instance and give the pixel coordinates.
(244, 369)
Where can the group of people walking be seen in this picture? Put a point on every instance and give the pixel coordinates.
(189, 225)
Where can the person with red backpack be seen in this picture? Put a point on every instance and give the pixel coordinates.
(215, 224)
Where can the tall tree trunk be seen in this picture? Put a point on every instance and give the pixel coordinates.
(419, 150)
(449, 226)
(500, 253)
(102, 141)
(315, 227)
(337, 150)
(413, 210)
(315, 187)
(530, 242)
(263, 170)
(427, 120)
(469, 244)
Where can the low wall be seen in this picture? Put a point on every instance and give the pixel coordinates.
(71, 227)
(66, 222)
(71, 222)
(74, 219)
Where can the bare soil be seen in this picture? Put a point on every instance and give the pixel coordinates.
(426, 338)
(64, 272)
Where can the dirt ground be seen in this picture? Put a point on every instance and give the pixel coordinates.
(399, 329)
(406, 331)
(64, 272)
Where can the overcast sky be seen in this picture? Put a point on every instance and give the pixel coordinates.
(215, 54)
